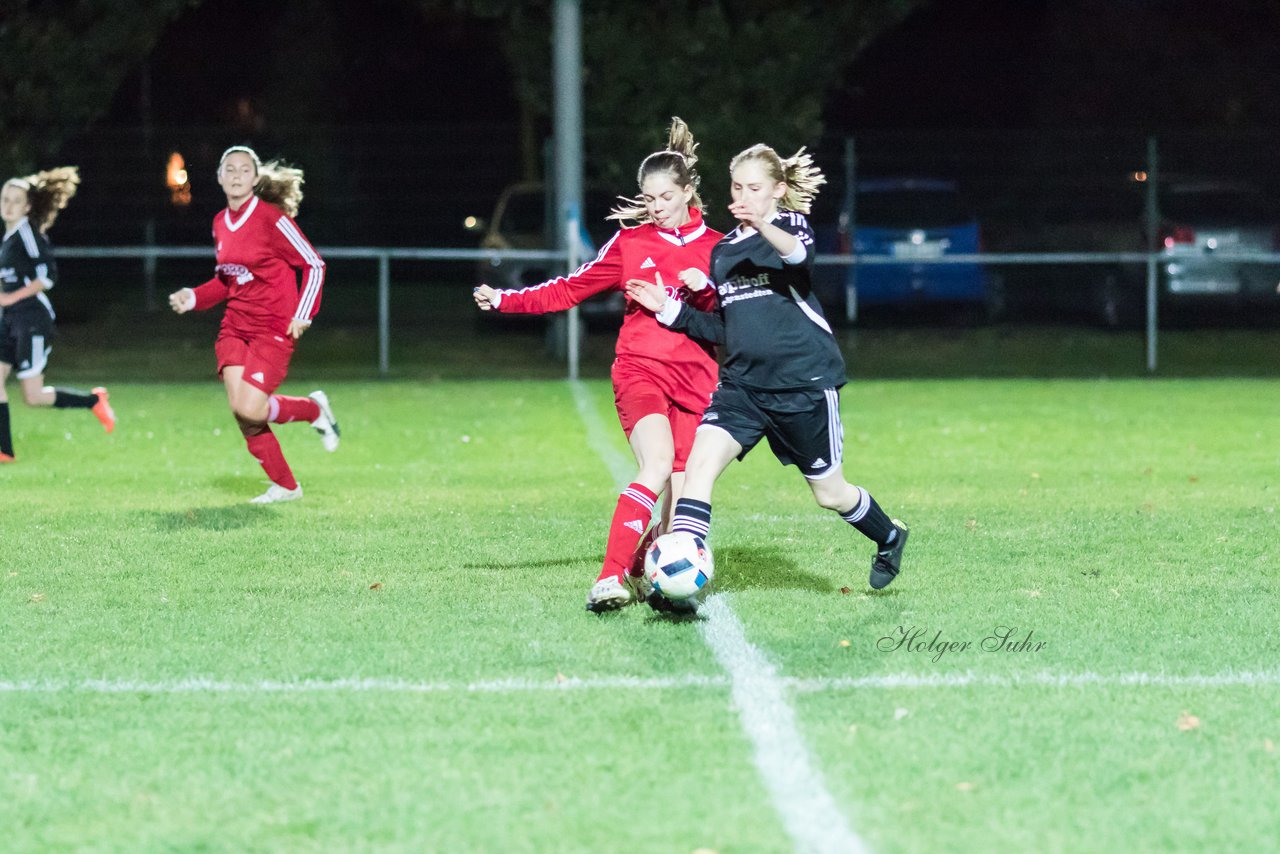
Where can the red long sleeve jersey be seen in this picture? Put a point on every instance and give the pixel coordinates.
(687, 368)
(260, 252)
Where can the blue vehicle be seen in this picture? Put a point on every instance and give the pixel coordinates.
(912, 220)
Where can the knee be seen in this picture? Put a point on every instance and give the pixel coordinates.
(840, 496)
(32, 397)
(657, 467)
(248, 412)
(250, 426)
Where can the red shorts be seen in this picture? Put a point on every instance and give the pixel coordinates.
(265, 358)
(636, 395)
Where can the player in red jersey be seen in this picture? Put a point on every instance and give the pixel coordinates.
(28, 207)
(661, 380)
(260, 252)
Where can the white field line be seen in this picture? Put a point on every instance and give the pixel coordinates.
(799, 685)
(808, 811)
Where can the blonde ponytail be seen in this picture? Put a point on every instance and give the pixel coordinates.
(677, 160)
(48, 193)
(798, 172)
(276, 183)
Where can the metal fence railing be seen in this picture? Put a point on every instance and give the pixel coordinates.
(385, 255)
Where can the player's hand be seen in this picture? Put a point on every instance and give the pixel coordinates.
(486, 297)
(297, 327)
(651, 295)
(178, 300)
(693, 279)
(744, 214)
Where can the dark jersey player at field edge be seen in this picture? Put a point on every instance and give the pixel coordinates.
(29, 207)
(782, 367)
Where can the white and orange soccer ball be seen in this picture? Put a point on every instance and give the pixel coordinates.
(679, 566)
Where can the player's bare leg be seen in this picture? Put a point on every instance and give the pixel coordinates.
(654, 449)
(856, 506)
(36, 393)
(6, 437)
(713, 450)
(251, 406)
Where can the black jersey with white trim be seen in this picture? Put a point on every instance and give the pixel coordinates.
(774, 333)
(24, 256)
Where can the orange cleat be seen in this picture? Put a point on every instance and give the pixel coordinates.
(102, 410)
(5, 458)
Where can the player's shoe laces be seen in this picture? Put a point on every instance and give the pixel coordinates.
(887, 562)
(275, 492)
(103, 411)
(326, 425)
(610, 594)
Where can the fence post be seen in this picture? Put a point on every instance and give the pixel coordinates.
(1153, 226)
(384, 314)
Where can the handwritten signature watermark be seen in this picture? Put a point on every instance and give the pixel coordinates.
(917, 639)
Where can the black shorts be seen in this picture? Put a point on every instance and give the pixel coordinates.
(803, 427)
(25, 344)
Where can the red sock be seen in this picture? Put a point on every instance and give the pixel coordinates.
(630, 519)
(282, 410)
(266, 450)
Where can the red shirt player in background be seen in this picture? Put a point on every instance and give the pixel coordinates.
(661, 381)
(260, 252)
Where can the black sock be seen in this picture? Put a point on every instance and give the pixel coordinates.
(6, 440)
(67, 399)
(692, 516)
(869, 519)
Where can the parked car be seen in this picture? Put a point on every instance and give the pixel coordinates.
(523, 219)
(1198, 219)
(1103, 217)
(1202, 221)
(913, 220)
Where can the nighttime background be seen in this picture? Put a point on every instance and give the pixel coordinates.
(408, 116)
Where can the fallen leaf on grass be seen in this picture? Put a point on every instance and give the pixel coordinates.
(971, 523)
(560, 677)
(377, 585)
(964, 787)
(845, 590)
(844, 643)
(900, 713)
(37, 597)
(1188, 722)
(1193, 479)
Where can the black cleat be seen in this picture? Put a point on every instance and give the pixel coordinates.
(887, 563)
(663, 605)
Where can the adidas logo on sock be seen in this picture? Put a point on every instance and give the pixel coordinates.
(648, 262)
(635, 525)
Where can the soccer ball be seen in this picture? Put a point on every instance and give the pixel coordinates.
(679, 565)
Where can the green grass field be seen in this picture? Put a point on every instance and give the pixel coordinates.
(401, 661)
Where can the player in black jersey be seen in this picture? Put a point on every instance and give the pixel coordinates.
(782, 368)
(28, 207)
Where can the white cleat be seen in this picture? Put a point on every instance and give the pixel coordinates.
(610, 594)
(326, 425)
(275, 492)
